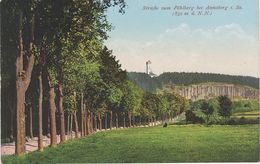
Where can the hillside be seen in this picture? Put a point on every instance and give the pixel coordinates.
(209, 90)
(181, 78)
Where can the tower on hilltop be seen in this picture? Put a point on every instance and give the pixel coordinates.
(148, 69)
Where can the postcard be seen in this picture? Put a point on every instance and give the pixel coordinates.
(130, 81)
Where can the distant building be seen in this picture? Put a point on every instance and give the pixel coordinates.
(148, 69)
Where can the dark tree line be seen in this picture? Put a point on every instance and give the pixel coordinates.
(181, 78)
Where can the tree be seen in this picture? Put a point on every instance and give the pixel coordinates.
(113, 80)
(23, 79)
(131, 100)
(47, 32)
(150, 105)
(225, 104)
(207, 109)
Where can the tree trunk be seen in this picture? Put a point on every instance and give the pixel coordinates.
(88, 122)
(100, 121)
(129, 118)
(111, 119)
(52, 115)
(20, 118)
(91, 122)
(82, 115)
(61, 122)
(23, 79)
(68, 124)
(61, 113)
(71, 120)
(85, 119)
(40, 136)
(106, 120)
(95, 122)
(133, 121)
(124, 119)
(76, 124)
(116, 120)
(31, 122)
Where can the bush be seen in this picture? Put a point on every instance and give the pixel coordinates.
(231, 122)
(242, 121)
(192, 118)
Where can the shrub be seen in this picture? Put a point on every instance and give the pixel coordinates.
(191, 117)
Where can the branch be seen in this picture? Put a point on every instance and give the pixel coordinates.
(19, 57)
(28, 71)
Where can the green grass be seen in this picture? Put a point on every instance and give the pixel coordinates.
(176, 143)
(251, 114)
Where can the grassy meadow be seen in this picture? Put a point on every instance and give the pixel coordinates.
(251, 114)
(182, 143)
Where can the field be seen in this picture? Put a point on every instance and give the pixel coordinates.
(251, 114)
(176, 143)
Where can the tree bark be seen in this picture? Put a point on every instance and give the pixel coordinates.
(31, 121)
(106, 120)
(116, 120)
(88, 122)
(61, 113)
(20, 118)
(111, 119)
(133, 120)
(124, 119)
(85, 120)
(40, 136)
(61, 122)
(68, 124)
(95, 122)
(23, 79)
(71, 121)
(100, 121)
(75, 117)
(82, 115)
(76, 124)
(129, 118)
(52, 114)
(91, 122)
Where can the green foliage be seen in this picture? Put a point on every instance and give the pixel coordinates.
(225, 104)
(202, 109)
(70, 103)
(245, 106)
(131, 100)
(114, 96)
(149, 104)
(181, 78)
(206, 110)
(191, 117)
(110, 70)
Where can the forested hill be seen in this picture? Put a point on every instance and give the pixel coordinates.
(181, 78)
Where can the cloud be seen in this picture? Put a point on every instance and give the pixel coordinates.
(225, 49)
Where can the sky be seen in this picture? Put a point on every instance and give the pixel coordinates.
(224, 41)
